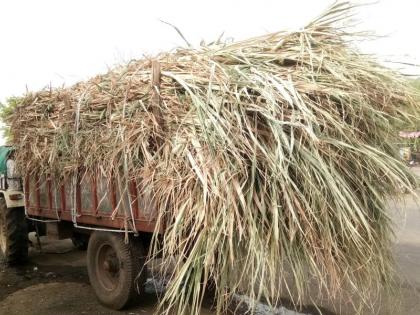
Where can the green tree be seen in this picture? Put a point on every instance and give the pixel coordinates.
(6, 109)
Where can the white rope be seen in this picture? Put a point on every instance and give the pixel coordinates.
(103, 229)
(76, 146)
(130, 201)
(40, 220)
(125, 168)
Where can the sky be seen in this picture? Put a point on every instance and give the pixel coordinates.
(50, 42)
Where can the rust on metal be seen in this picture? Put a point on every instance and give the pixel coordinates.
(49, 194)
(95, 195)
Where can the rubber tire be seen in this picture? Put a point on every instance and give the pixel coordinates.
(132, 277)
(80, 241)
(15, 231)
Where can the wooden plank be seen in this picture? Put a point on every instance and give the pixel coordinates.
(156, 102)
(156, 91)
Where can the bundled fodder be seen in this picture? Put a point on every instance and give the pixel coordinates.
(267, 159)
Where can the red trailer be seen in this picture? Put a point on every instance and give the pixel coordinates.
(90, 202)
(107, 217)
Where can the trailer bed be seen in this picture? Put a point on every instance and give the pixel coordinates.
(99, 202)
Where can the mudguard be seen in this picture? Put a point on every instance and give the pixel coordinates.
(14, 199)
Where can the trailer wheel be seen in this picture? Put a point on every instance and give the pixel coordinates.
(13, 234)
(116, 270)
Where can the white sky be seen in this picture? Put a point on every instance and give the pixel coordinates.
(57, 42)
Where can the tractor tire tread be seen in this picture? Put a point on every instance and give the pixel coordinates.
(16, 234)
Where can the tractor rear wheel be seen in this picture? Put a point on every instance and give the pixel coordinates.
(13, 234)
(117, 270)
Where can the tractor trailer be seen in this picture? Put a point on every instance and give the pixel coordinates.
(92, 211)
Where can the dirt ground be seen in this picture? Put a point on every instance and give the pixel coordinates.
(56, 282)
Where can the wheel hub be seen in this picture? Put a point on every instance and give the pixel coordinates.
(108, 267)
(111, 265)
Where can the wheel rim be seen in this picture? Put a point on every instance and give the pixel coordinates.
(108, 267)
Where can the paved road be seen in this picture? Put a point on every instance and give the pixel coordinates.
(55, 282)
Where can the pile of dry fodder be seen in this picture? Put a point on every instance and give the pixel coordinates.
(268, 159)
